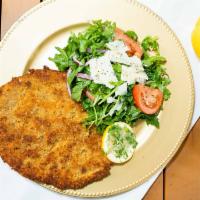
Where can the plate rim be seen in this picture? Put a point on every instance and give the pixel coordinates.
(185, 128)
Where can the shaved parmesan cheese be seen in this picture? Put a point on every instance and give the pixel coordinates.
(131, 75)
(115, 108)
(117, 52)
(121, 90)
(117, 45)
(110, 100)
(102, 72)
(132, 70)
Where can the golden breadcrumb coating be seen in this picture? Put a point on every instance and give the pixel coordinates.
(41, 132)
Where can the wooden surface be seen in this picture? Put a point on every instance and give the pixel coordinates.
(181, 178)
(12, 9)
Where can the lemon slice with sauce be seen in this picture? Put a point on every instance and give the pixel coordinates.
(119, 142)
(196, 38)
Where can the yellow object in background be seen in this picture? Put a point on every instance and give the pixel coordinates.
(196, 38)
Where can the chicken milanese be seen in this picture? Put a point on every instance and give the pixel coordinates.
(41, 132)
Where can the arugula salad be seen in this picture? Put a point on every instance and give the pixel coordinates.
(114, 75)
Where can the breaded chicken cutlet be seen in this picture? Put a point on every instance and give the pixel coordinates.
(41, 132)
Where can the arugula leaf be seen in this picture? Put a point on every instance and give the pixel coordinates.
(78, 89)
(151, 119)
(73, 74)
(157, 78)
(132, 35)
(166, 93)
(118, 70)
(128, 112)
(153, 66)
(85, 45)
(150, 44)
(154, 60)
(112, 92)
(61, 60)
(91, 43)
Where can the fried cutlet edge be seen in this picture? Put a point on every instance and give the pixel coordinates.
(69, 184)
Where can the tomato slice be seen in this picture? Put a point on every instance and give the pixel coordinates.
(148, 100)
(134, 47)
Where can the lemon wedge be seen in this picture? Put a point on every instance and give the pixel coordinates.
(119, 142)
(196, 38)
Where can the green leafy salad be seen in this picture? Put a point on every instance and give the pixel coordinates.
(114, 75)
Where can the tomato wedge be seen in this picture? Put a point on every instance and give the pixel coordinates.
(134, 47)
(148, 100)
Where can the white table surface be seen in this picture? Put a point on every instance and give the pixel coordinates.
(181, 15)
